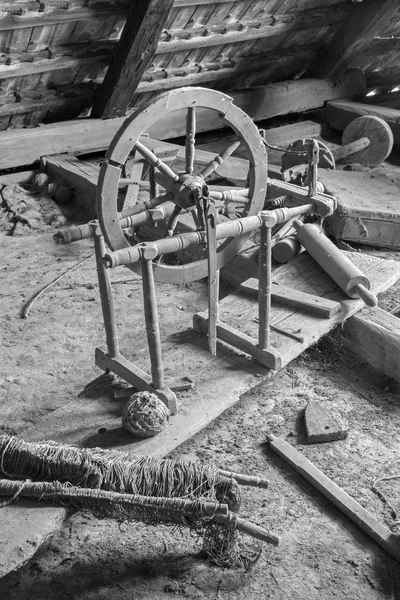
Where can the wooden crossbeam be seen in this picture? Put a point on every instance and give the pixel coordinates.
(367, 21)
(133, 55)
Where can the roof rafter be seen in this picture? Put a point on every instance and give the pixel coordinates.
(367, 21)
(134, 53)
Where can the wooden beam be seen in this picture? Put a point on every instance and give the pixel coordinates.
(135, 51)
(351, 508)
(339, 113)
(374, 334)
(367, 20)
(383, 78)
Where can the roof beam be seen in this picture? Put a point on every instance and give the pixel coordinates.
(133, 55)
(367, 21)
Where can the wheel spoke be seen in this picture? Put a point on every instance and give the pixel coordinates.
(219, 159)
(146, 205)
(173, 221)
(156, 162)
(154, 189)
(190, 139)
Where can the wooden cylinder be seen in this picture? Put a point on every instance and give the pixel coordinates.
(331, 259)
(286, 249)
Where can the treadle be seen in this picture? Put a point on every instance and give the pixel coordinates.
(302, 274)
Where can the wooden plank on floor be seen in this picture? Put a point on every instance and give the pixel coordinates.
(220, 381)
(305, 275)
(374, 335)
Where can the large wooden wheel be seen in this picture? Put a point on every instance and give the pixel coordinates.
(185, 189)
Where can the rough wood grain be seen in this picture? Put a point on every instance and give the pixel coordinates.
(374, 334)
(321, 425)
(367, 21)
(292, 298)
(135, 50)
(340, 113)
(350, 507)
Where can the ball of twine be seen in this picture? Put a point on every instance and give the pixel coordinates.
(39, 182)
(63, 194)
(145, 415)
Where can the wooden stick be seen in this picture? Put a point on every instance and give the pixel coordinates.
(246, 479)
(106, 295)
(352, 509)
(264, 289)
(190, 139)
(251, 529)
(152, 325)
(44, 490)
(28, 306)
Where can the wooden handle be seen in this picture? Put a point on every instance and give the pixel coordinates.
(251, 529)
(366, 295)
(246, 479)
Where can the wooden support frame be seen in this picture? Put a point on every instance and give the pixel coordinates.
(133, 55)
(366, 22)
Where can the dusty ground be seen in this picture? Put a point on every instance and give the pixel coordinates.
(47, 362)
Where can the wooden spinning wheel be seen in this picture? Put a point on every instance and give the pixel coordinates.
(184, 189)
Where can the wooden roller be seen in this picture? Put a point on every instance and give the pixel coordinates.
(335, 263)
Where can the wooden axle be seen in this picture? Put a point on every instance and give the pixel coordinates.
(228, 229)
(351, 280)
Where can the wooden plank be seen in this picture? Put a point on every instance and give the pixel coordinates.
(291, 298)
(225, 333)
(135, 50)
(374, 334)
(339, 113)
(350, 507)
(306, 275)
(358, 217)
(367, 20)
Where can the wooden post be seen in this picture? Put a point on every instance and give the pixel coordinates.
(264, 292)
(213, 275)
(134, 53)
(106, 297)
(152, 325)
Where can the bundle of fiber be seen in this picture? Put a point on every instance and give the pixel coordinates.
(126, 487)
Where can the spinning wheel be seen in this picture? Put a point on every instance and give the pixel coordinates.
(184, 189)
(189, 191)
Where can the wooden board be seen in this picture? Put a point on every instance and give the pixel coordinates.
(291, 298)
(305, 275)
(374, 334)
(368, 209)
(220, 381)
(350, 507)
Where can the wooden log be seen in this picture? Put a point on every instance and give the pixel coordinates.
(374, 334)
(367, 20)
(135, 51)
(339, 113)
(25, 146)
(350, 507)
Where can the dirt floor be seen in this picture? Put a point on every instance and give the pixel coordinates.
(47, 363)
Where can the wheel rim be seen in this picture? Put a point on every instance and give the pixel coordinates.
(127, 139)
